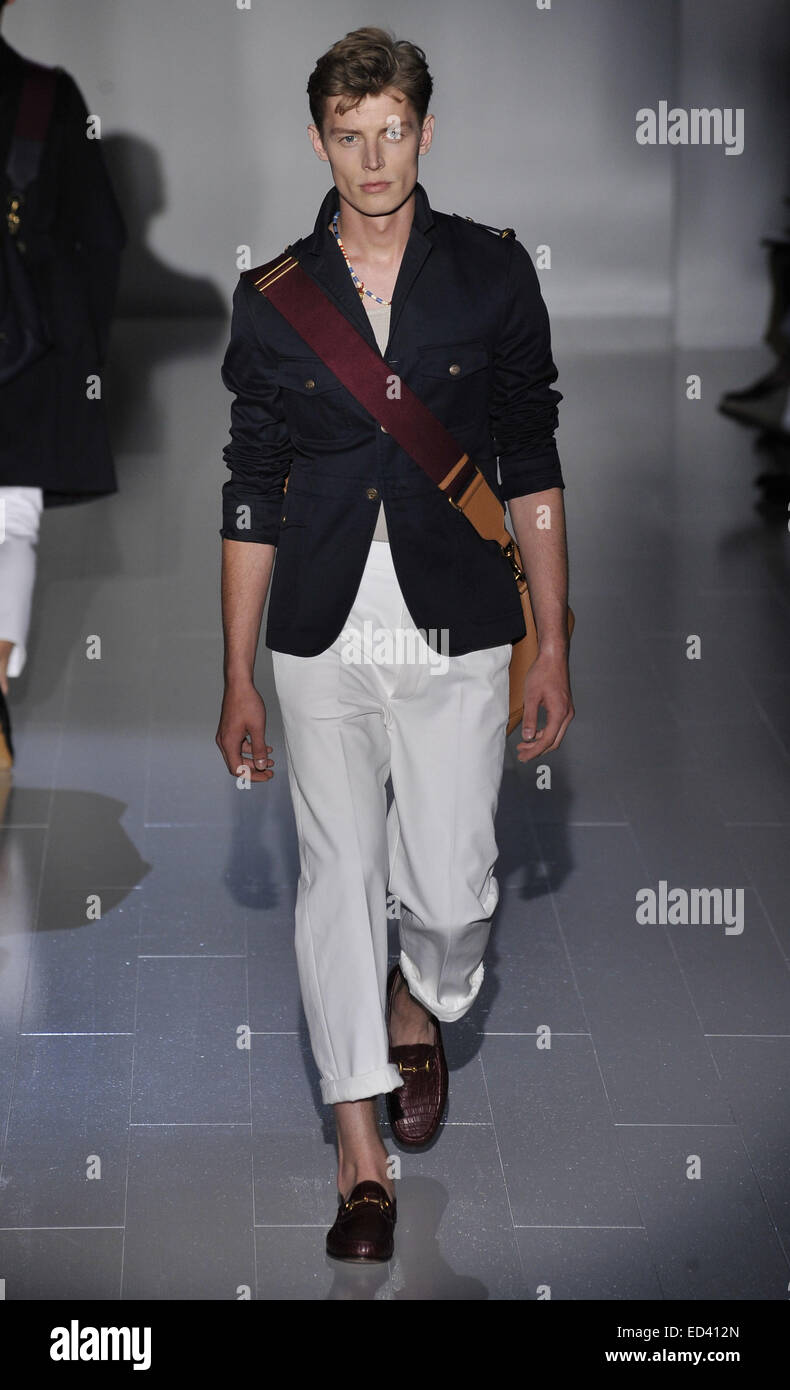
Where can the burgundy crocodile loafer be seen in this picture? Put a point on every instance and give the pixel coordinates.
(415, 1109)
(364, 1226)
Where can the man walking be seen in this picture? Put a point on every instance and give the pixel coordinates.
(368, 548)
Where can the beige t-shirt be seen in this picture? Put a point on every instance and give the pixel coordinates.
(379, 315)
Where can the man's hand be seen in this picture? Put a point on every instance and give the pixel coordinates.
(547, 684)
(241, 736)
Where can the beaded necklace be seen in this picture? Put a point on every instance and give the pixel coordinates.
(359, 283)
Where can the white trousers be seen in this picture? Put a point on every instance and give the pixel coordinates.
(20, 516)
(437, 726)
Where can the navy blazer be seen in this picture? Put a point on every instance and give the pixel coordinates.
(53, 433)
(469, 333)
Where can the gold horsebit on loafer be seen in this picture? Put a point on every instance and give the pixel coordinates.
(426, 1066)
(381, 1202)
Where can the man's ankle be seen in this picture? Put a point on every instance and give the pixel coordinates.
(346, 1184)
(365, 1168)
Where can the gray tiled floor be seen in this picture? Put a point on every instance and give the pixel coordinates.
(618, 1125)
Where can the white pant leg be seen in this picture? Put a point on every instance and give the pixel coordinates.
(447, 742)
(337, 753)
(442, 736)
(20, 515)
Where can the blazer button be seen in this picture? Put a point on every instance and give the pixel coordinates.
(454, 369)
(372, 493)
(309, 383)
(383, 431)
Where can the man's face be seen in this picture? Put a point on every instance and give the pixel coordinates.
(373, 150)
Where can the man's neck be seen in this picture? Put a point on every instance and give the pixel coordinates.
(380, 240)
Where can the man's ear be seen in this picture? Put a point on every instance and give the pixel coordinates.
(316, 141)
(426, 135)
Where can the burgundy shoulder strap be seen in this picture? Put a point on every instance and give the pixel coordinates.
(32, 123)
(35, 106)
(364, 372)
(389, 400)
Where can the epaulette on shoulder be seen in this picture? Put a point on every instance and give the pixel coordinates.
(257, 272)
(498, 231)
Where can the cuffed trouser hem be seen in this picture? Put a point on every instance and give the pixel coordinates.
(444, 1014)
(371, 1083)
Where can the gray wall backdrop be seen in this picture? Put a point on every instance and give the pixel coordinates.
(204, 116)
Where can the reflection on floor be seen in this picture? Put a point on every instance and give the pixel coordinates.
(637, 1149)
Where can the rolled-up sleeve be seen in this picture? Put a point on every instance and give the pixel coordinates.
(523, 414)
(259, 452)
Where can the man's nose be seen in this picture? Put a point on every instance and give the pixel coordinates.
(372, 158)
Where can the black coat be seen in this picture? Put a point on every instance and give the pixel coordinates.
(52, 435)
(464, 299)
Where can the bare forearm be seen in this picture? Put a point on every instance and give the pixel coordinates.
(539, 524)
(246, 571)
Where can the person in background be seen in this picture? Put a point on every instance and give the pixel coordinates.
(54, 442)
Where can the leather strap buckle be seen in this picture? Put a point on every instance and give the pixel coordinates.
(509, 552)
(463, 465)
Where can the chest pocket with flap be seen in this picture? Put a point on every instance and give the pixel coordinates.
(314, 400)
(452, 380)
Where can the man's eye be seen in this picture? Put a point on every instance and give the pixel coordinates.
(393, 134)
